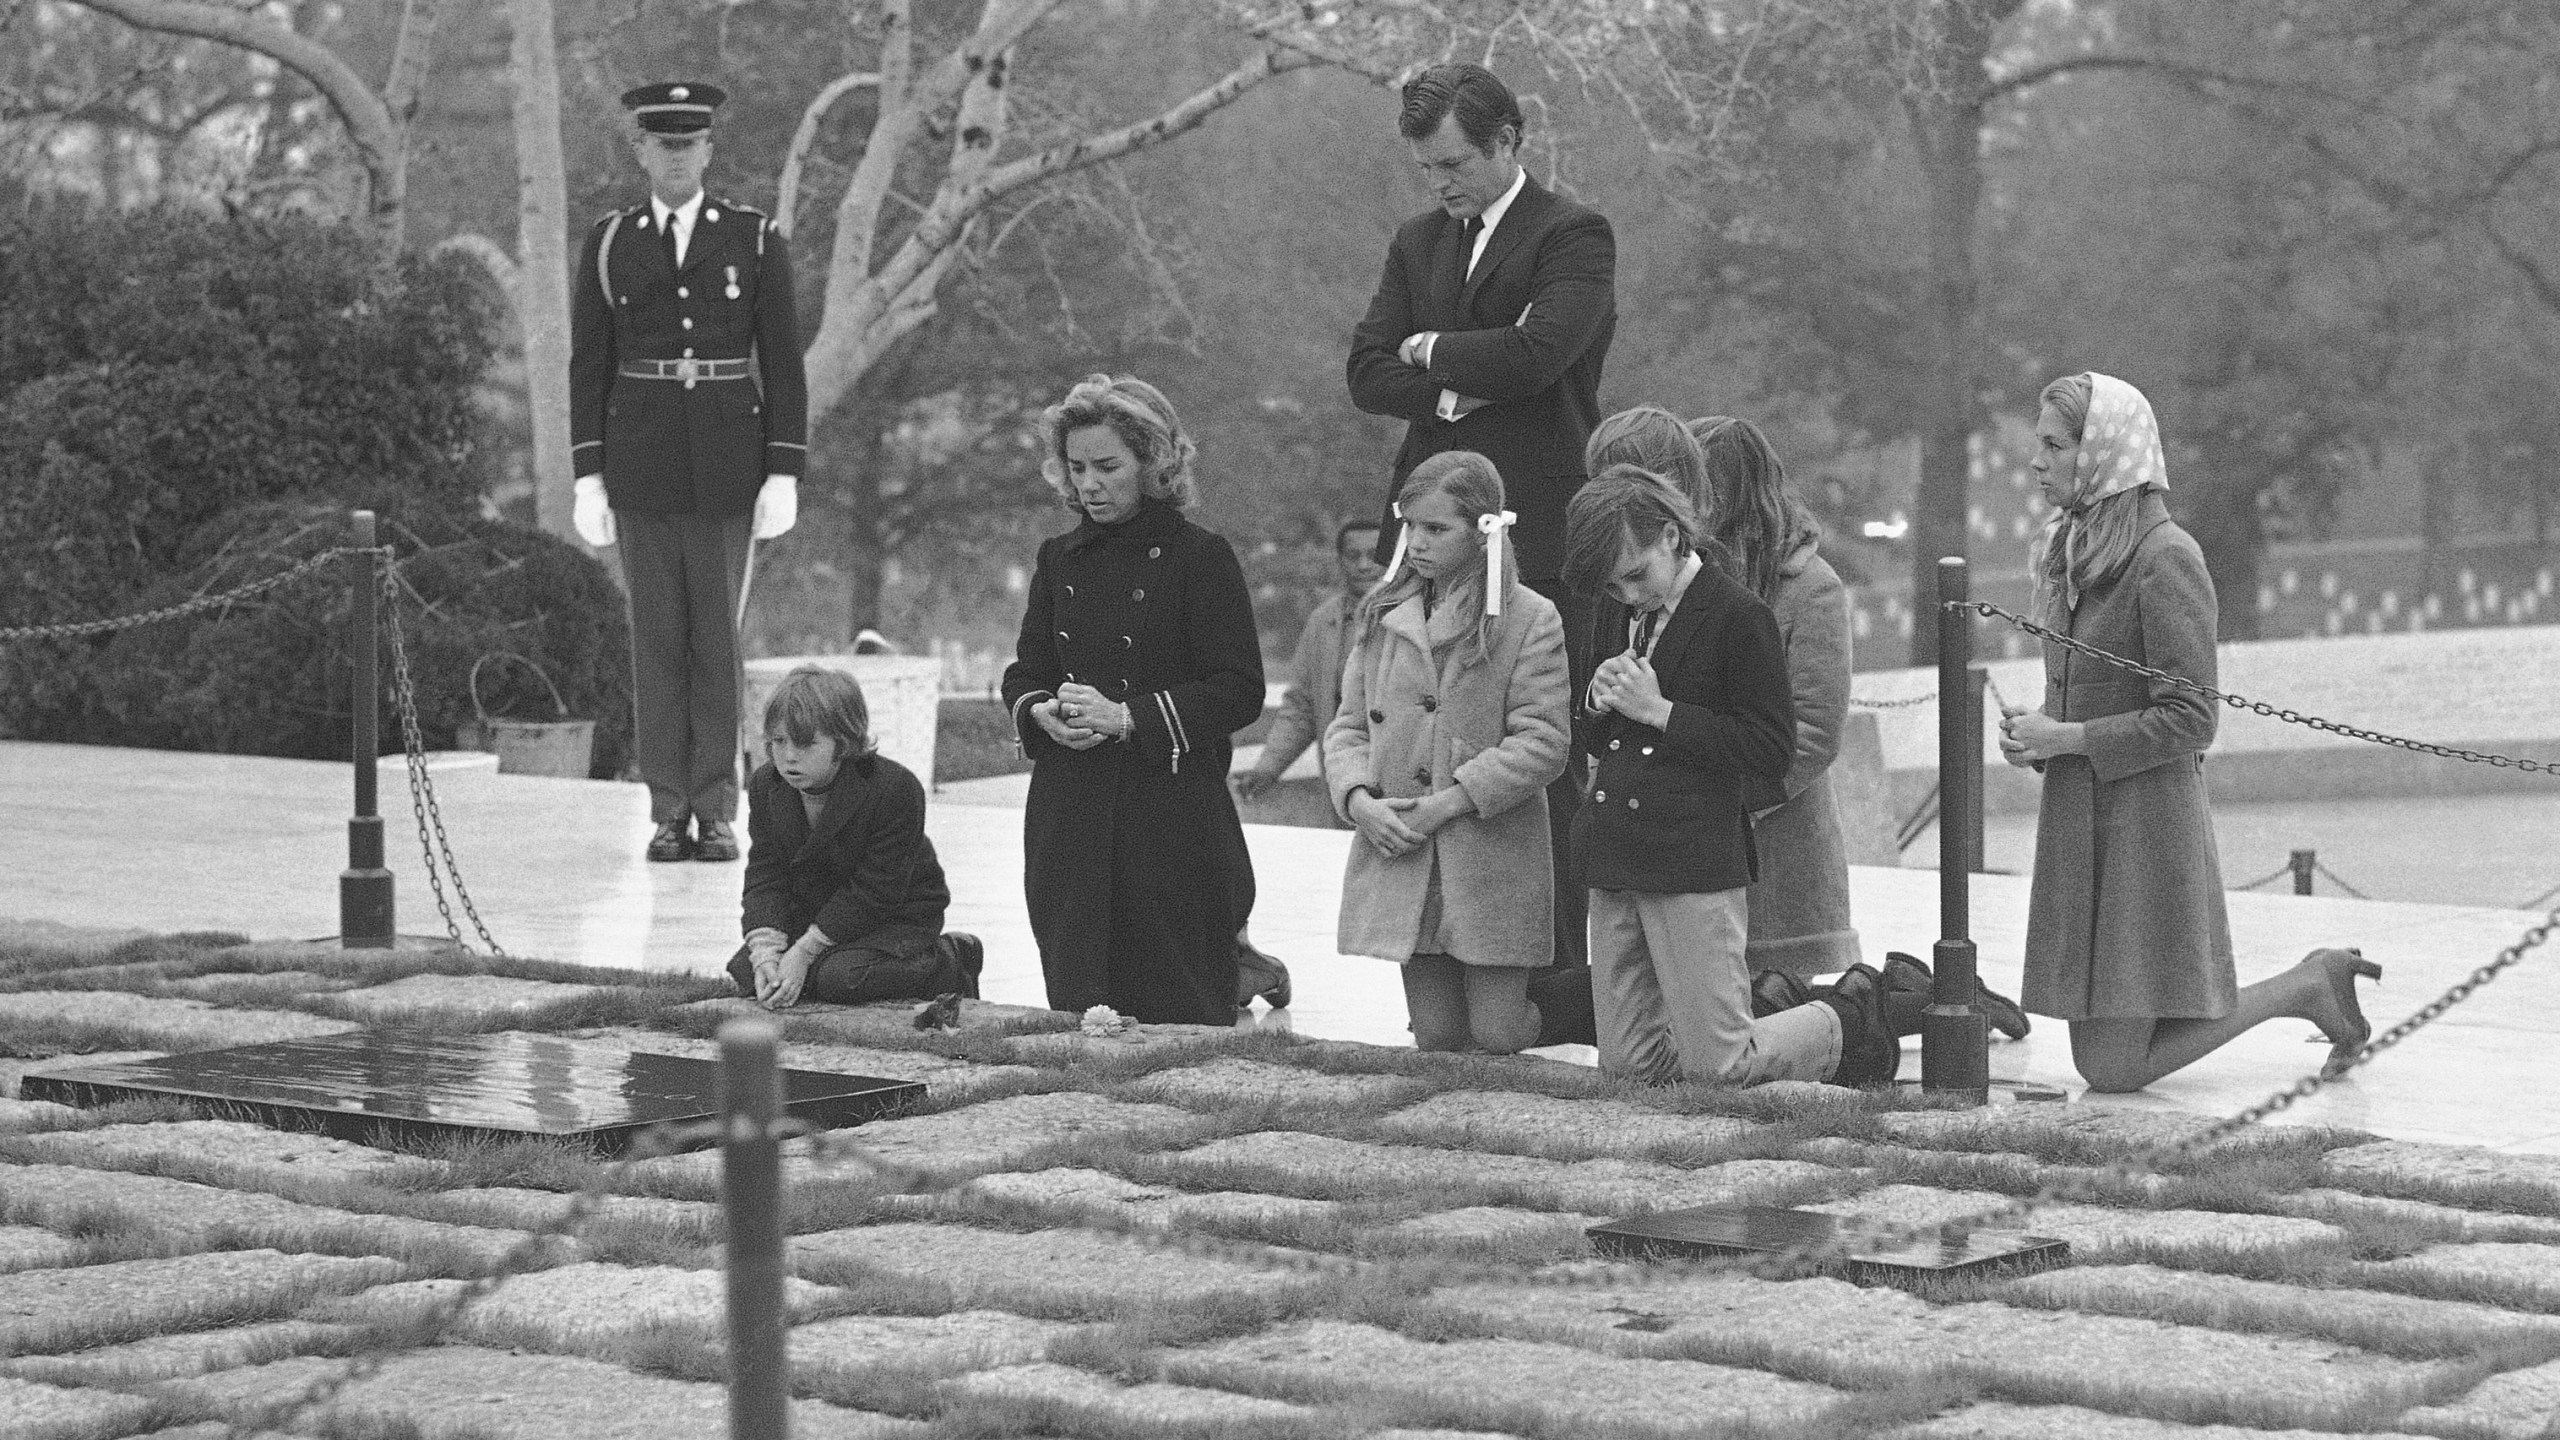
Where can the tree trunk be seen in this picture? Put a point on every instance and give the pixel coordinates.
(2233, 536)
(868, 534)
(1948, 131)
(542, 258)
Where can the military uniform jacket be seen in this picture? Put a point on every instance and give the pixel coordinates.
(1667, 812)
(666, 447)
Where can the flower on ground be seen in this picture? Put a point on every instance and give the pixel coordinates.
(1102, 1021)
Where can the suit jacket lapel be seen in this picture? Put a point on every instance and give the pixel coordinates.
(842, 800)
(1527, 208)
(1681, 628)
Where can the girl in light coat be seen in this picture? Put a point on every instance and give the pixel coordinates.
(1455, 715)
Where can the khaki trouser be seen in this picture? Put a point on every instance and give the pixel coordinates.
(1672, 999)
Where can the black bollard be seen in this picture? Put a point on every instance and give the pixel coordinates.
(2301, 864)
(1955, 1041)
(364, 889)
(751, 1211)
(1975, 697)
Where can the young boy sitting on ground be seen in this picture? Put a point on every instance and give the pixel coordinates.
(844, 897)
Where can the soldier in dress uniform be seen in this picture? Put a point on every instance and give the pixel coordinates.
(690, 426)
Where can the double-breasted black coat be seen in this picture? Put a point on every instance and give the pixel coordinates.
(666, 447)
(1134, 863)
(1670, 809)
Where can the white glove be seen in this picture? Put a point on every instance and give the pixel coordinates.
(591, 515)
(777, 506)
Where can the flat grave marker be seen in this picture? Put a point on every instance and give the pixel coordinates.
(375, 1085)
(1708, 1232)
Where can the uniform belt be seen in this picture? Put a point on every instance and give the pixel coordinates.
(687, 371)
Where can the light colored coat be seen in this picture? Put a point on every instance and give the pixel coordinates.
(1800, 903)
(1315, 684)
(2126, 919)
(1410, 725)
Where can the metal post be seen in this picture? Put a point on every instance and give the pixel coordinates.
(1955, 1041)
(751, 1208)
(1976, 701)
(2301, 864)
(364, 889)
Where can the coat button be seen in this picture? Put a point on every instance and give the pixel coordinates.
(1602, 796)
(1430, 702)
(1377, 717)
(1062, 634)
(1128, 644)
(1613, 744)
(688, 352)
(1634, 804)
(1137, 594)
(683, 294)
(1071, 592)
(1646, 750)
(1155, 552)
(688, 322)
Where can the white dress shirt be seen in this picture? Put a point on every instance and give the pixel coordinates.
(678, 219)
(1493, 213)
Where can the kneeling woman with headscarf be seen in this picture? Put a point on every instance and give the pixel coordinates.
(2127, 938)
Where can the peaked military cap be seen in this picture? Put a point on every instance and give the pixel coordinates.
(674, 107)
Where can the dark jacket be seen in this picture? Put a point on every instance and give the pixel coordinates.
(1667, 813)
(663, 447)
(867, 874)
(1528, 330)
(1134, 863)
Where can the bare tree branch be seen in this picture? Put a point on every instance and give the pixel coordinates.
(786, 205)
(370, 124)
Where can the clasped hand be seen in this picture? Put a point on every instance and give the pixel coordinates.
(2030, 737)
(1081, 717)
(780, 971)
(1627, 684)
(1399, 826)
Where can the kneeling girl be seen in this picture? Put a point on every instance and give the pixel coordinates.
(1454, 717)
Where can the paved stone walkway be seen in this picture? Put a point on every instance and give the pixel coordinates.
(1208, 1232)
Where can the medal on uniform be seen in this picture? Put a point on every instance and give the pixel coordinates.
(733, 280)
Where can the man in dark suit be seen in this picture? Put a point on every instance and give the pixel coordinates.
(1487, 333)
(689, 421)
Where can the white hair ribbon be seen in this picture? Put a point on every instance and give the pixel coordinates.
(1491, 525)
(1395, 562)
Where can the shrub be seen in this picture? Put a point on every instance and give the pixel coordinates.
(272, 675)
(190, 404)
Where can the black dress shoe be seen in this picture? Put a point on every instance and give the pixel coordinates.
(1259, 973)
(1776, 990)
(963, 956)
(1907, 984)
(673, 841)
(1870, 1056)
(714, 840)
(1566, 1016)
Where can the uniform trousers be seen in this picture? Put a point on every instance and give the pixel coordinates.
(1672, 998)
(682, 574)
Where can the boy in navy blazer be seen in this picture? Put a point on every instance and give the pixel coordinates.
(1693, 727)
(844, 895)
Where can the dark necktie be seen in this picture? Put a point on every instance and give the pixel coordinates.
(667, 235)
(1646, 624)
(1467, 231)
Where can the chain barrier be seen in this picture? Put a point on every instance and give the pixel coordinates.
(1904, 703)
(73, 629)
(2281, 872)
(2261, 707)
(2321, 868)
(433, 846)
